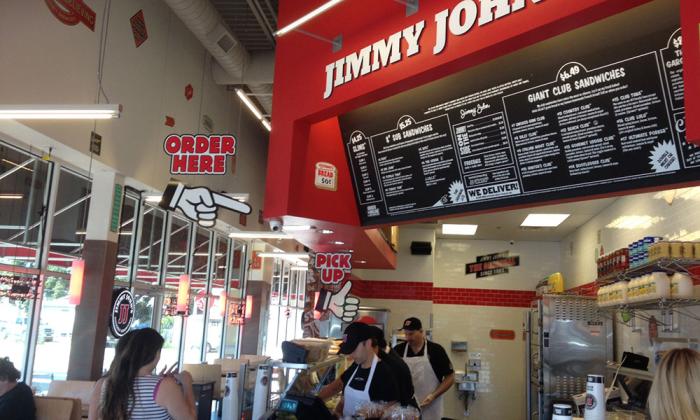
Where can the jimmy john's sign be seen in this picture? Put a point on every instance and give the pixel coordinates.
(456, 21)
(492, 264)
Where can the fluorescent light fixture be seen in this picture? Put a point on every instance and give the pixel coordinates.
(307, 17)
(326, 232)
(448, 229)
(338, 243)
(11, 196)
(236, 196)
(634, 222)
(285, 255)
(300, 268)
(266, 124)
(544, 220)
(296, 228)
(251, 106)
(59, 112)
(259, 235)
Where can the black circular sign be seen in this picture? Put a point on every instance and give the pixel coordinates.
(122, 312)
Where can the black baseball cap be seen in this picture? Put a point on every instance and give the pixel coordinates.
(354, 334)
(412, 324)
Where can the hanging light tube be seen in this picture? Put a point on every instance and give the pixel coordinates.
(59, 112)
(254, 109)
(75, 290)
(307, 17)
(248, 307)
(183, 294)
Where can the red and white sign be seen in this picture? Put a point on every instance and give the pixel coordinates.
(192, 154)
(72, 12)
(326, 176)
(332, 267)
(138, 28)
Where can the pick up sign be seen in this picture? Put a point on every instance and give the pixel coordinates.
(332, 267)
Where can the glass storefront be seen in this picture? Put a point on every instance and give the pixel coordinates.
(154, 249)
(286, 306)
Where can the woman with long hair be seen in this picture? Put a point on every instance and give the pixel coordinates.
(675, 394)
(130, 390)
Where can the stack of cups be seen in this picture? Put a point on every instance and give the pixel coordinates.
(595, 398)
(562, 412)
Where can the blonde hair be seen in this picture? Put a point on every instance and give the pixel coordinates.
(675, 394)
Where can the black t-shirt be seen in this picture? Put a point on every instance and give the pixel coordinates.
(18, 404)
(436, 354)
(383, 386)
(402, 375)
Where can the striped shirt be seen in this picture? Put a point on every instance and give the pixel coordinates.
(144, 406)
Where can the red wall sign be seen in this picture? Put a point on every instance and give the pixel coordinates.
(199, 154)
(72, 12)
(502, 335)
(138, 28)
(690, 27)
(332, 267)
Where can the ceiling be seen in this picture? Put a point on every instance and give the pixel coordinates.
(505, 225)
(253, 22)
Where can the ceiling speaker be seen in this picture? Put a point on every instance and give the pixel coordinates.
(421, 248)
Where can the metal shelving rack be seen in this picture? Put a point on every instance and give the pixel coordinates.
(669, 265)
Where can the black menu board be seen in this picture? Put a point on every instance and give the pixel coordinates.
(542, 125)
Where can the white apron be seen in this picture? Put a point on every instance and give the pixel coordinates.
(353, 397)
(424, 382)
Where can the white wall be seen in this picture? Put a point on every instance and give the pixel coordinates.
(408, 267)
(537, 260)
(44, 61)
(678, 221)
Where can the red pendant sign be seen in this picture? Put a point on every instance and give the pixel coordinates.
(72, 12)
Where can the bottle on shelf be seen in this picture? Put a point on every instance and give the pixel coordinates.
(659, 285)
(681, 286)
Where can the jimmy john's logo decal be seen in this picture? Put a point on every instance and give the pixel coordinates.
(192, 154)
(492, 264)
(122, 312)
(72, 12)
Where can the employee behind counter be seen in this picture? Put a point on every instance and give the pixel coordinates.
(368, 379)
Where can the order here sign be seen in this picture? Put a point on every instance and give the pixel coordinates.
(198, 154)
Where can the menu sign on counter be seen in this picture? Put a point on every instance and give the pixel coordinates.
(590, 124)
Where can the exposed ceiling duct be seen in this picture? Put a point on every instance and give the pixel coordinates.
(236, 64)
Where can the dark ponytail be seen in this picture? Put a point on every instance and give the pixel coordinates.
(134, 350)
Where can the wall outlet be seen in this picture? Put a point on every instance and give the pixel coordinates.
(474, 364)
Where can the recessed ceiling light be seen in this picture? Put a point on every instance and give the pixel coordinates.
(448, 229)
(544, 220)
(360, 261)
(634, 222)
(338, 243)
(326, 232)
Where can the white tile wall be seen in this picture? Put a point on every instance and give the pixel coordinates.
(537, 260)
(677, 221)
(408, 267)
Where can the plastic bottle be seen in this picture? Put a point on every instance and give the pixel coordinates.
(623, 293)
(595, 398)
(687, 250)
(681, 286)
(659, 285)
(632, 290)
(599, 296)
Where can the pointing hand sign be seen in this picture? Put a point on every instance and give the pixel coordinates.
(200, 204)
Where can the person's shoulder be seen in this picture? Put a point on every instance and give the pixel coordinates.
(383, 366)
(399, 348)
(24, 389)
(433, 346)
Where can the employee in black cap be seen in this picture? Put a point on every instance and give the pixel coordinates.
(366, 380)
(399, 368)
(430, 367)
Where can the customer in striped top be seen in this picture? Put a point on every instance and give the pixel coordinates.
(130, 390)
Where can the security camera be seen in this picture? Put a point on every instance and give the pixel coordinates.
(511, 242)
(275, 225)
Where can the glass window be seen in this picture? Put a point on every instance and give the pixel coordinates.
(14, 319)
(143, 318)
(23, 188)
(126, 238)
(151, 244)
(217, 313)
(55, 333)
(170, 329)
(70, 220)
(235, 290)
(178, 243)
(199, 298)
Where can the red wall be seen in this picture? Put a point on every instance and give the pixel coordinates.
(690, 27)
(300, 81)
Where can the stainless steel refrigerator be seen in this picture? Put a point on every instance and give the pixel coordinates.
(567, 338)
